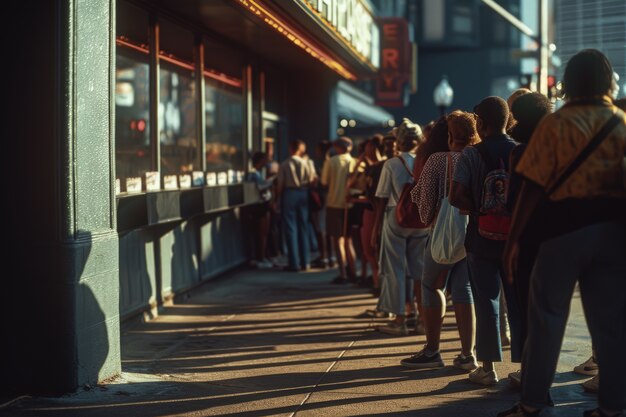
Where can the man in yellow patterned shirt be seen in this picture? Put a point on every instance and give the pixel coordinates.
(579, 223)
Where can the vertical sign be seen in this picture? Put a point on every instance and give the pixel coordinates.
(394, 75)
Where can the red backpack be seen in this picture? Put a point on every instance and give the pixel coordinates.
(407, 214)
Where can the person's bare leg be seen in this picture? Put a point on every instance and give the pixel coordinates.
(375, 278)
(466, 323)
(350, 257)
(341, 255)
(264, 227)
(432, 322)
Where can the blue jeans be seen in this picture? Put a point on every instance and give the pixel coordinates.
(295, 213)
(595, 257)
(457, 280)
(486, 279)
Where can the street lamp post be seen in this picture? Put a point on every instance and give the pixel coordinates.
(443, 95)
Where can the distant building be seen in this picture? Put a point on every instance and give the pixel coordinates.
(599, 24)
(464, 40)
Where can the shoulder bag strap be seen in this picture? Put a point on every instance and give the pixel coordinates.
(588, 150)
(448, 181)
(404, 164)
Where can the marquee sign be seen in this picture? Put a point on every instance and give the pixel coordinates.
(353, 22)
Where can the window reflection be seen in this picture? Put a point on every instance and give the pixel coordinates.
(133, 153)
(177, 121)
(224, 107)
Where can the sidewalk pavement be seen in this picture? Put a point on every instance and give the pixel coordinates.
(261, 343)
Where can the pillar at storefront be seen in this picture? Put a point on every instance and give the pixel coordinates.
(60, 305)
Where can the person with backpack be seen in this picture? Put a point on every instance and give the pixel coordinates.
(572, 203)
(430, 195)
(479, 187)
(402, 240)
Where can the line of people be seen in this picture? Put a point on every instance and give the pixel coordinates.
(502, 209)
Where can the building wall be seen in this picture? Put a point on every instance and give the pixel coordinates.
(471, 45)
(61, 312)
(599, 24)
(158, 262)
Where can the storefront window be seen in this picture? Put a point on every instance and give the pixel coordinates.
(177, 121)
(224, 107)
(178, 134)
(133, 153)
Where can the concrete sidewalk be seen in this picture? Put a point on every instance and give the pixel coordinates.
(261, 343)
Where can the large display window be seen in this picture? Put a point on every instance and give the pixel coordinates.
(176, 147)
(224, 126)
(133, 151)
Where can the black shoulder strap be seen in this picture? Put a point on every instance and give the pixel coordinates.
(588, 150)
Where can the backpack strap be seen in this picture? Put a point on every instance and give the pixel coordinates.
(587, 150)
(486, 155)
(404, 164)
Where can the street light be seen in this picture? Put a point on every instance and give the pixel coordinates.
(443, 95)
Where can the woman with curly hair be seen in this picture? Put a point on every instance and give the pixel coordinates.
(431, 189)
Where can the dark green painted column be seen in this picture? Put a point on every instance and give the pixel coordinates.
(61, 287)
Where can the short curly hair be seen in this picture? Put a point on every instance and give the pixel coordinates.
(462, 128)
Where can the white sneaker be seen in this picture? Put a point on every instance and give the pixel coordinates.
(482, 377)
(588, 367)
(264, 265)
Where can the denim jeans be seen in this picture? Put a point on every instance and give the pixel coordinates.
(457, 280)
(486, 280)
(595, 256)
(295, 216)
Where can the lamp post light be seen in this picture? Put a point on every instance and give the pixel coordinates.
(443, 95)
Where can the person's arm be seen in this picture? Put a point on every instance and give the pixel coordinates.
(527, 201)
(383, 192)
(325, 179)
(427, 191)
(379, 211)
(461, 197)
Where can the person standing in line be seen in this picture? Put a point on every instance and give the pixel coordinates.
(360, 179)
(318, 217)
(572, 204)
(528, 110)
(259, 214)
(295, 176)
(484, 251)
(402, 248)
(428, 193)
(436, 141)
(335, 176)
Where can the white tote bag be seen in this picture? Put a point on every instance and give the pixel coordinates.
(448, 234)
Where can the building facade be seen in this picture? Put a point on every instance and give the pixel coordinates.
(134, 123)
(465, 41)
(598, 24)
